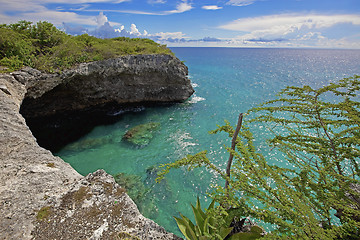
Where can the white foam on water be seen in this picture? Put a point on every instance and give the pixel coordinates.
(182, 141)
(194, 85)
(196, 99)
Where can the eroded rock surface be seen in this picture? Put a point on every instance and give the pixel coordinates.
(28, 174)
(96, 208)
(41, 196)
(124, 80)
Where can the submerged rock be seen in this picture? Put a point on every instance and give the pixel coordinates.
(89, 143)
(142, 195)
(141, 135)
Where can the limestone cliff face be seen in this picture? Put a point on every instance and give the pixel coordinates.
(41, 196)
(124, 80)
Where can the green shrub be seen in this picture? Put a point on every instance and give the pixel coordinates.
(13, 63)
(46, 48)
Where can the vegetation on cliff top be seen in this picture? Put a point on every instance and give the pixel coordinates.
(44, 47)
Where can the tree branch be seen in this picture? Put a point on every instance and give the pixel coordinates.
(233, 144)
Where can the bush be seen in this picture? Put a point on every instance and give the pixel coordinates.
(46, 48)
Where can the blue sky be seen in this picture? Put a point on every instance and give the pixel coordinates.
(227, 23)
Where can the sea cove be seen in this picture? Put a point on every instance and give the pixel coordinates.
(226, 81)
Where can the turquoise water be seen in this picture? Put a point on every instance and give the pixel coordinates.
(227, 81)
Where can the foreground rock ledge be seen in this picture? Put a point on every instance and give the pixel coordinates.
(42, 197)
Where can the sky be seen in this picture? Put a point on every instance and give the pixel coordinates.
(202, 23)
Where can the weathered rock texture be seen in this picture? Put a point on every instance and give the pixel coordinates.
(41, 196)
(28, 173)
(96, 208)
(124, 80)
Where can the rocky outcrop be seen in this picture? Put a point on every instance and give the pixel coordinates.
(96, 207)
(124, 80)
(41, 196)
(28, 174)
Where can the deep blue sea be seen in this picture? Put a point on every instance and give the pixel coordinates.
(227, 81)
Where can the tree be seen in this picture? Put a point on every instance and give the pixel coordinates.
(47, 35)
(318, 133)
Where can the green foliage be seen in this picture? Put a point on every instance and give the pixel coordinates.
(255, 233)
(205, 227)
(46, 48)
(214, 223)
(318, 133)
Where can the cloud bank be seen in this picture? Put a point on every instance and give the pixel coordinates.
(106, 30)
(296, 29)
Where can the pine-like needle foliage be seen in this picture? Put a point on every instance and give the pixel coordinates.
(318, 132)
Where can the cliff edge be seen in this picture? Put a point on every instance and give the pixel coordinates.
(41, 196)
(129, 79)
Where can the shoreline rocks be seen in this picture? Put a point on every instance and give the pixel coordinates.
(39, 192)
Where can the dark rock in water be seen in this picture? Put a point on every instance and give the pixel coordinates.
(89, 143)
(161, 189)
(141, 135)
(139, 193)
(133, 184)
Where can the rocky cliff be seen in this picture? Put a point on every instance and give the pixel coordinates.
(41, 196)
(129, 79)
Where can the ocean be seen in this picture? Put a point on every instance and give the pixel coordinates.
(227, 81)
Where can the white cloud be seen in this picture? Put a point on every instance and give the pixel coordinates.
(156, 1)
(134, 30)
(35, 5)
(310, 36)
(120, 29)
(183, 6)
(240, 3)
(56, 18)
(35, 10)
(294, 30)
(20, 6)
(211, 7)
(167, 35)
(283, 24)
(76, 1)
(101, 19)
(287, 25)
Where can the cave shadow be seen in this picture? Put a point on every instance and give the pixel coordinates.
(55, 131)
